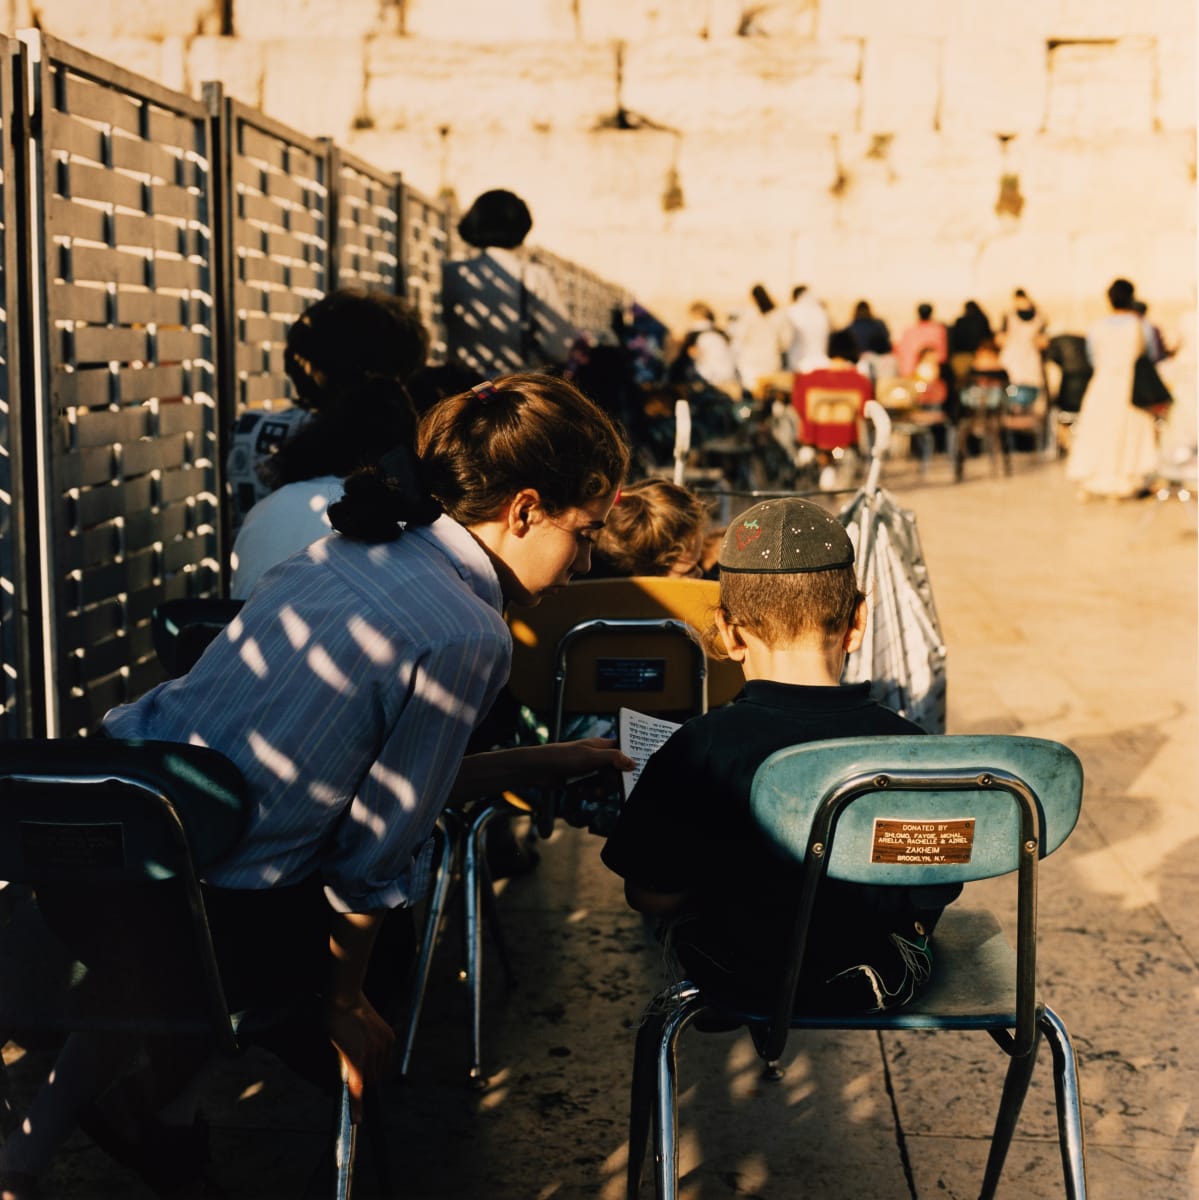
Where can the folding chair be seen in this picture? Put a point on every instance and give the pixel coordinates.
(181, 629)
(912, 811)
(593, 647)
(102, 816)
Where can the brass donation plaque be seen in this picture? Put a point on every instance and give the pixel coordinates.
(918, 842)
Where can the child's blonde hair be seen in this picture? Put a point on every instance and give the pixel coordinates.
(650, 527)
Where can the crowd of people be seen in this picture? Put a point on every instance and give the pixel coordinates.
(379, 549)
(945, 371)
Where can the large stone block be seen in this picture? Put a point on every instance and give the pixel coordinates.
(485, 21)
(636, 21)
(1081, 19)
(1176, 83)
(73, 20)
(940, 188)
(763, 177)
(1129, 181)
(550, 85)
(1099, 89)
(781, 18)
(233, 62)
(268, 20)
(734, 84)
(933, 19)
(288, 94)
(993, 85)
(901, 84)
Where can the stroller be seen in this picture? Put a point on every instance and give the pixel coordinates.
(904, 651)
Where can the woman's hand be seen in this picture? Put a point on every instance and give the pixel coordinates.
(557, 762)
(537, 766)
(363, 1041)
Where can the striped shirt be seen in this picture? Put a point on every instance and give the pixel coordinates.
(345, 691)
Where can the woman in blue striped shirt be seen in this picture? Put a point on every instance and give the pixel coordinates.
(346, 690)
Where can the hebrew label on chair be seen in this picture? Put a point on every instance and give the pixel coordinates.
(921, 842)
(54, 844)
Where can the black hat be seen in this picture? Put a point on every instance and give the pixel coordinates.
(497, 218)
(785, 537)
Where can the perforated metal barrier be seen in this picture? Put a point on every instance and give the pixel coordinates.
(122, 238)
(16, 660)
(154, 251)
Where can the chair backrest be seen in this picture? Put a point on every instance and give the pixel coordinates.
(916, 811)
(896, 394)
(182, 629)
(835, 412)
(94, 822)
(981, 396)
(640, 637)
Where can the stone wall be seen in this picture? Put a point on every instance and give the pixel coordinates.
(927, 150)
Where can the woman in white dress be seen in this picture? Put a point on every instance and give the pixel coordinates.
(1022, 339)
(1114, 448)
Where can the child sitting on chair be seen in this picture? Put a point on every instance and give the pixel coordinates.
(686, 843)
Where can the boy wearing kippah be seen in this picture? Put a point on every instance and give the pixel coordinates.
(686, 843)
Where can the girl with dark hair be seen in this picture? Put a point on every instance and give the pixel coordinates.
(347, 689)
(349, 356)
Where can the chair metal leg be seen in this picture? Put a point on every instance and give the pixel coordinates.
(446, 832)
(345, 1146)
(687, 1006)
(376, 1131)
(474, 877)
(1015, 1088)
(641, 1097)
(1069, 1105)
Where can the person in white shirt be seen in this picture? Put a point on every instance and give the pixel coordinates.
(349, 356)
(809, 348)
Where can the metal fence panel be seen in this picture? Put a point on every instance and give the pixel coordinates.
(274, 185)
(423, 246)
(16, 660)
(121, 238)
(365, 224)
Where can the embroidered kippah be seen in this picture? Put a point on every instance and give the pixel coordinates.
(484, 390)
(788, 536)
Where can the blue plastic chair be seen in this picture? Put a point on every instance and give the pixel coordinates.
(976, 807)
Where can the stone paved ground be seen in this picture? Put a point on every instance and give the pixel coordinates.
(1070, 621)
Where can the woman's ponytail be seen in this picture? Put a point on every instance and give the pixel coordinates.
(383, 499)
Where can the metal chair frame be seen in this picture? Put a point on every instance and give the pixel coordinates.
(461, 839)
(830, 829)
(156, 801)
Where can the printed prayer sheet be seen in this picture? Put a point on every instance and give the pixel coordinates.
(640, 735)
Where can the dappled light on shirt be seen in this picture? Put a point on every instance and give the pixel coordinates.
(328, 671)
(371, 641)
(277, 763)
(394, 783)
(297, 629)
(252, 657)
(323, 793)
(445, 700)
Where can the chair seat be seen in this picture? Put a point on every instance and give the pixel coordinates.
(973, 984)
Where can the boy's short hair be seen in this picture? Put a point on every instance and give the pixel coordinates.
(786, 572)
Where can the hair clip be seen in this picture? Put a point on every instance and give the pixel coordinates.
(617, 500)
(484, 390)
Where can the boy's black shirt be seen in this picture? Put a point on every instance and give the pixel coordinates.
(687, 827)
